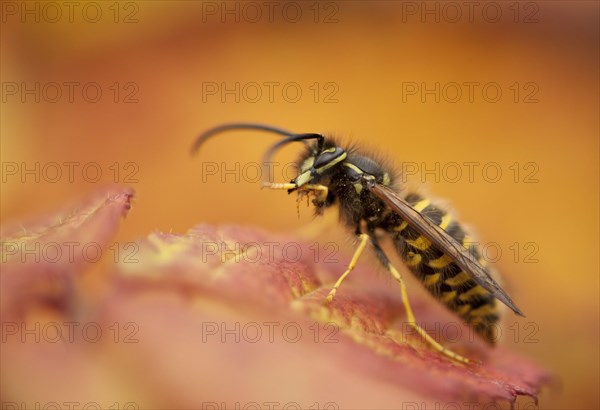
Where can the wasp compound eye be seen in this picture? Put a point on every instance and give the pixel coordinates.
(329, 158)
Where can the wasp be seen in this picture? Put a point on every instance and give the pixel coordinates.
(432, 244)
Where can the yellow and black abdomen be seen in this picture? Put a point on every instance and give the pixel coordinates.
(440, 275)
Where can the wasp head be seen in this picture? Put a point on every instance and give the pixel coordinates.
(318, 163)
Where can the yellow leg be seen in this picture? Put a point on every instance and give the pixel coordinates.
(320, 191)
(413, 323)
(364, 238)
(409, 312)
(279, 185)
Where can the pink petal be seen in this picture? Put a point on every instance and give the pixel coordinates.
(207, 266)
(43, 256)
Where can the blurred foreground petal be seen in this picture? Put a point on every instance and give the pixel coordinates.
(230, 317)
(42, 257)
(245, 279)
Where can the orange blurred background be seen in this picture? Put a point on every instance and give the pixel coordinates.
(385, 74)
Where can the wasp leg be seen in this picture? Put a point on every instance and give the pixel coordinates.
(321, 191)
(279, 185)
(409, 312)
(364, 238)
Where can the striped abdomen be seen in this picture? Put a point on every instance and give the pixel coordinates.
(440, 275)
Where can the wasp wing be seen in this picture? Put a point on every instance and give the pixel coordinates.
(444, 241)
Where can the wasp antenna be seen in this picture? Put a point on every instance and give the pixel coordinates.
(236, 127)
(294, 138)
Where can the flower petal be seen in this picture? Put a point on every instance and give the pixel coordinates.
(241, 270)
(41, 258)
